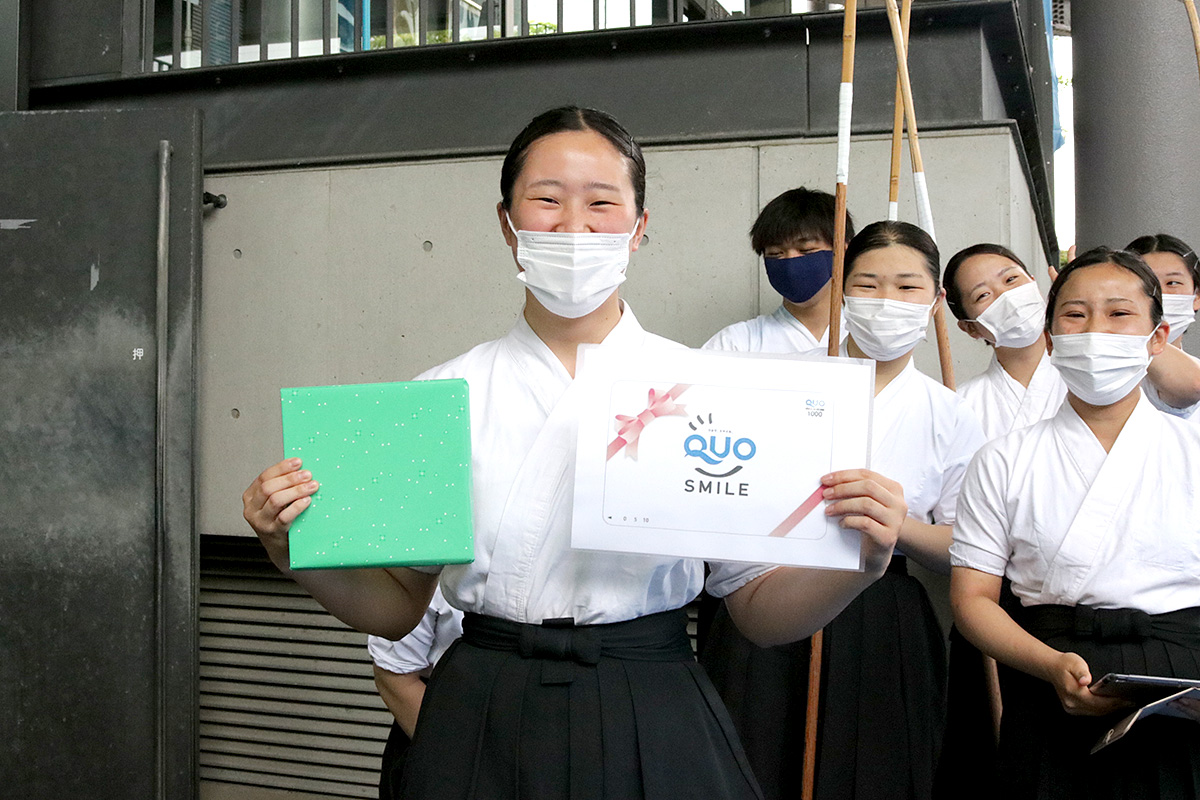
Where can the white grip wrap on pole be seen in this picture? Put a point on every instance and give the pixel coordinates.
(845, 105)
(893, 210)
(924, 211)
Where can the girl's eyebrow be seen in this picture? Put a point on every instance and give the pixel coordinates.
(1081, 302)
(590, 185)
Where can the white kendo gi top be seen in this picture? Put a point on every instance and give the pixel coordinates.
(424, 645)
(771, 333)
(1072, 525)
(1002, 404)
(524, 416)
(923, 436)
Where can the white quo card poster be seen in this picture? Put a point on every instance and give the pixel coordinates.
(717, 455)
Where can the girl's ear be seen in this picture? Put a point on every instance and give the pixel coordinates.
(510, 238)
(974, 330)
(1158, 340)
(640, 231)
(938, 300)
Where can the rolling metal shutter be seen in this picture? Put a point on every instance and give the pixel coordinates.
(287, 698)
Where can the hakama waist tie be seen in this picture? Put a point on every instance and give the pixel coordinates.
(563, 645)
(1110, 625)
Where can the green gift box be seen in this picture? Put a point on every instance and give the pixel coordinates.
(394, 465)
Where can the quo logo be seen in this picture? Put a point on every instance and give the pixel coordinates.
(716, 448)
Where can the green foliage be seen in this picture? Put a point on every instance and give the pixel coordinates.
(410, 39)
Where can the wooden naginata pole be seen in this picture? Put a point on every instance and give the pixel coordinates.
(845, 104)
(924, 211)
(1195, 20)
(898, 125)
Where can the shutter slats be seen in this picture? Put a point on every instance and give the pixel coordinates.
(292, 768)
(253, 599)
(276, 661)
(281, 678)
(276, 632)
(298, 725)
(301, 694)
(334, 745)
(295, 754)
(317, 618)
(287, 648)
(251, 778)
(287, 694)
(339, 713)
(256, 582)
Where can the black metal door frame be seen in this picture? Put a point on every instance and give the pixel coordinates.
(99, 258)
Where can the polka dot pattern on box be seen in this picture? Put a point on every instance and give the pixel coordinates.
(393, 462)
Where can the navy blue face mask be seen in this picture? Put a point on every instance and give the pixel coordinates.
(800, 278)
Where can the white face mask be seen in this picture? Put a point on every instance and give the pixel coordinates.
(1100, 368)
(1017, 317)
(572, 274)
(1178, 313)
(886, 329)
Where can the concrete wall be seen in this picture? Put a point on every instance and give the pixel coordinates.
(376, 273)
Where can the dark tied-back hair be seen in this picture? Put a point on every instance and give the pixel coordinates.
(950, 276)
(886, 233)
(1121, 258)
(573, 118)
(795, 216)
(1166, 243)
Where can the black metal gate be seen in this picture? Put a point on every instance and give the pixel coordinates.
(99, 253)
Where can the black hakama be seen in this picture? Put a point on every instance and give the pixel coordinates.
(1044, 752)
(882, 696)
(543, 712)
(969, 739)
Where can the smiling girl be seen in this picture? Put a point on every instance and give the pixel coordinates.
(574, 676)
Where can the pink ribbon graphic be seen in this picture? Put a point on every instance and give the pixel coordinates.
(800, 513)
(660, 404)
